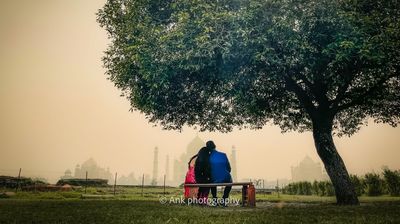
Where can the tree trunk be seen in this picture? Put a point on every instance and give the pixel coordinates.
(334, 165)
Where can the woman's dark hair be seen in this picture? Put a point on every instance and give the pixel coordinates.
(202, 168)
(190, 161)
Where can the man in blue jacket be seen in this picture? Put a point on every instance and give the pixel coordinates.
(220, 169)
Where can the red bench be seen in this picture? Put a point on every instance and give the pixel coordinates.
(248, 191)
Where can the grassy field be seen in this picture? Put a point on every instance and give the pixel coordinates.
(129, 206)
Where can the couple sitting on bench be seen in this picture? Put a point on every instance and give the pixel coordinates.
(209, 166)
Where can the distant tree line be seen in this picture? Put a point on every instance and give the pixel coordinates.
(13, 182)
(371, 184)
(83, 182)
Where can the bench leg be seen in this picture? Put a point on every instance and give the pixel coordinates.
(251, 195)
(244, 195)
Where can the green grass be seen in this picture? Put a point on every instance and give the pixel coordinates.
(130, 207)
(131, 211)
(319, 199)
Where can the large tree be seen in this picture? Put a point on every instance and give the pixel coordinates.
(326, 66)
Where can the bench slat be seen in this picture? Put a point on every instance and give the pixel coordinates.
(219, 184)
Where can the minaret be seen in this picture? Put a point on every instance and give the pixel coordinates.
(233, 164)
(167, 177)
(155, 167)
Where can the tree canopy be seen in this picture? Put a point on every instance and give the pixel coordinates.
(325, 66)
(220, 64)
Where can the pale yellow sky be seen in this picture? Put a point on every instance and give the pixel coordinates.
(58, 109)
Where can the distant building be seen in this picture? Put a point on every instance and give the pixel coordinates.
(94, 171)
(127, 180)
(308, 170)
(155, 167)
(167, 177)
(233, 164)
(181, 164)
(67, 174)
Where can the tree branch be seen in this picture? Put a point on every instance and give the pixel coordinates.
(361, 98)
(317, 89)
(349, 76)
(301, 95)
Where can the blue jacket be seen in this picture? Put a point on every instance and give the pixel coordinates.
(220, 167)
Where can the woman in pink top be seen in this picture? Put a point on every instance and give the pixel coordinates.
(191, 192)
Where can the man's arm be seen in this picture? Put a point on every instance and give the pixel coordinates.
(228, 165)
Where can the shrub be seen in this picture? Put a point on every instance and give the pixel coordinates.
(322, 189)
(358, 184)
(299, 188)
(307, 188)
(392, 179)
(330, 190)
(315, 188)
(290, 189)
(374, 185)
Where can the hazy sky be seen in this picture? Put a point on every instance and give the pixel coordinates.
(58, 109)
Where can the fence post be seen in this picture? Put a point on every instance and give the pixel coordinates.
(263, 186)
(19, 178)
(142, 184)
(115, 182)
(86, 181)
(164, 184)
(277, 186)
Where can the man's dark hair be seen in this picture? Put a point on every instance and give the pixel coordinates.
(210, 145)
